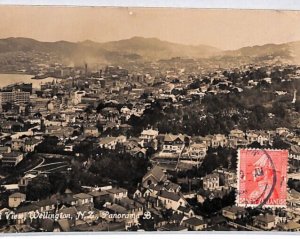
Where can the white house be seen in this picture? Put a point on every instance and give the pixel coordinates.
(171, 200)
(211, 182)
(148, 136)
(83, 198)
(174, 143)
(197, 151)
(218, 140)
(116, 194)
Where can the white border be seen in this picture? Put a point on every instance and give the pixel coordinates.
(236, 4)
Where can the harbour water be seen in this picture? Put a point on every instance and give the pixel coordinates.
(8, 79)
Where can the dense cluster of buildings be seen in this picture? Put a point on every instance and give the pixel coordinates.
(101, 105)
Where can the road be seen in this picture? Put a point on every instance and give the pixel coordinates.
(40, 164)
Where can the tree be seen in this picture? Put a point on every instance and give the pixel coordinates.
(39, 188)
(279, 109)
(58, 182)
(49, 145)
(278, 143)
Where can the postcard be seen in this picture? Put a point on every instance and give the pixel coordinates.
(149, 119)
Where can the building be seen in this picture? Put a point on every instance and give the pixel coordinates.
(15, 97)
(236, 133)
(197, 151)
(174, 143)
(194, 224)
(211, 182)
(91, 131)
(30, 144)
(15, 199)
(148, 136)
(12, 159)
(218, 140)
(265, 222)
(116, 194)
(154, 176)
(233, 212)
(294, 154)
(5, 149)
(111, 142)
(83, 198)
(170, 200)
(290, 226)
(17, 144)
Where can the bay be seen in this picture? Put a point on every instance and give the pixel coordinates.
(8, 79)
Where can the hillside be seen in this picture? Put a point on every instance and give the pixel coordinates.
(136, 48)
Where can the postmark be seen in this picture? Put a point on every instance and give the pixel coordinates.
(262, 178)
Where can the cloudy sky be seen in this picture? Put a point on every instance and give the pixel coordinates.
(225, 29)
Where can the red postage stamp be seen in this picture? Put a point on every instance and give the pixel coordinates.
(262, 178)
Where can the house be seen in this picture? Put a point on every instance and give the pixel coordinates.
(211, 182)
(46, 205)
(265, 222)
(133, 208)
(91, 131)
(111, 142)
(108, 143)
(171, 187)
(194, 224)
(293, 199)
(290, 226)
(294, 153)
(174, 143)
(59, 131)
(282, 130)
(115, 194)
(99, 197)
(227, 177)
(148, 136)
(197, 151)
(154, 176)
(187, 211)
(83, 198)
(207, 140)
(263, 138)
(17, 144)
(177, 218)
(251, 137)
(24, 181)
(138, 152)
(236, 133)
(172, 227)
(218, 140)
(233, 212)
(153, 190)
(30, 144)
(170, 200)
(12, 159)
(5, 149)
(15, 199)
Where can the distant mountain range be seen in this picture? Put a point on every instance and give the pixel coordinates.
(140, 48)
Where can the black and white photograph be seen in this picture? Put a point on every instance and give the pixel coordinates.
(127, 119)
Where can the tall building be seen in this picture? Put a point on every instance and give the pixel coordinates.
(14, 97)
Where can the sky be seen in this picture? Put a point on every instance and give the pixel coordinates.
(223, 28)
